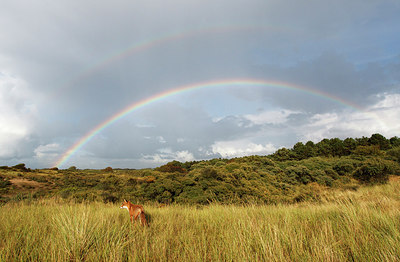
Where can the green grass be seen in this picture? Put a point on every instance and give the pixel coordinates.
(361, 225)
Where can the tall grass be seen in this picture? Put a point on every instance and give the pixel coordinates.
(347, 226)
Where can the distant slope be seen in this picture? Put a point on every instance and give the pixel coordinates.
(302, 173)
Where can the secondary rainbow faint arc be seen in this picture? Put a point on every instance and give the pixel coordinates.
(162, 39)
(220, 83)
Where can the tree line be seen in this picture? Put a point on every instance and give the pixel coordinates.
(302, 173)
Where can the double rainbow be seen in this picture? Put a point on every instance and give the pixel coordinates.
(181, 89)
(160, 40)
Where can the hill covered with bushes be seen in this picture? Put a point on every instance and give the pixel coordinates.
(302, 173)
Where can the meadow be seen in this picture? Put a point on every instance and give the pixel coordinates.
(362, 225)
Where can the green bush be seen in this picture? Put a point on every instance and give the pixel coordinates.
(109, 198)
(108, 169)
(373, 171)
(299, 174)
(21, 167)
(345, 166)
(394, 153)
(171, 167)
(367, 150)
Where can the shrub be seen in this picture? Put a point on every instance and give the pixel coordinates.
(4, 183)
(171, 167)
(345, 166)
(108, 169)
(394, 154)
(107, 197)
(21, 167)
(282, 154)
(373, 171)
(209, 173)
(367, 150)
(300, 173)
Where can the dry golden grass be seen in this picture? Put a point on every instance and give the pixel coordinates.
(361, 225)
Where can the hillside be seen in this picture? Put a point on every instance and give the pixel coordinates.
(303, 173)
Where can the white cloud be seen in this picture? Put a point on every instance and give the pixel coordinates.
(387, 110)
(161, 140)
(165, 155)
(270, 117)
(242, 147)
(47, 150)
(382, 117)
(17, 115)
(46, 154)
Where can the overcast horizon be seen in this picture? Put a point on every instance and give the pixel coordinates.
(67, 66)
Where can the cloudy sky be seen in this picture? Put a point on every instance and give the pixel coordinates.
(68, 66)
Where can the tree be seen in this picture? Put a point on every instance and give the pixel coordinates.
(282, 154)
(21, 167)
(367, 150)
(363, 141)
(323, 148)
(337, 147)
(108, 169)
(299, 150)
(310, 149)
(171, 167)
(395, 154)
(394, 141)
(379, 140)
(349, 145)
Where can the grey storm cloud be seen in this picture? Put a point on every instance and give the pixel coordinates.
(333, 74)
(71, 65)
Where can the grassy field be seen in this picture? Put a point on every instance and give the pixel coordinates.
(361, 225)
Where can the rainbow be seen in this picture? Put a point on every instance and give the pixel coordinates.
(160, 40)
(181, 89)
(173, 37)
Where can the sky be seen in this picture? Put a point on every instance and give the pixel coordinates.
(71, 73)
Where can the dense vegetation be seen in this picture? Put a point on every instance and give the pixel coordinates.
(302, 173)
(332, 201)
(360, 225)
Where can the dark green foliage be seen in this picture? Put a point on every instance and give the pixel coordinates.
(373, 171)
(283, 154)
(380, 141)
(372, 150)
(298, 174)
(109, 197)
(21, 167)
(345, 166)
(108, 169)
(287, 176)
(336, 147)
(394, 153)
(394, 141)
(171, 167)
(299, 150)
(349, 145)
(4, 185)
